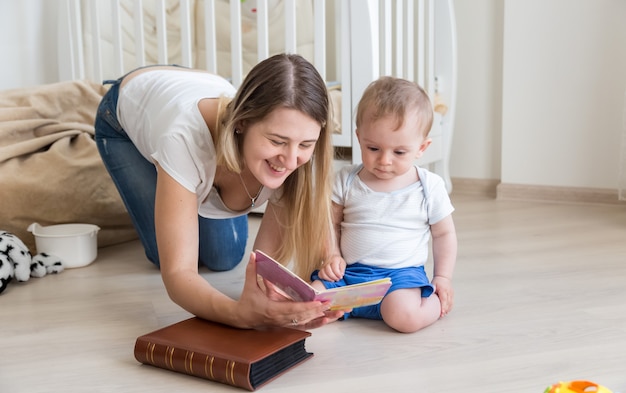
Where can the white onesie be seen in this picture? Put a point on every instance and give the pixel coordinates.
(389, 229)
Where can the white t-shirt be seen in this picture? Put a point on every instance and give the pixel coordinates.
(159, 112)
(389, 229)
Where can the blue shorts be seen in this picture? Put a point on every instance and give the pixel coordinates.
(407, 277)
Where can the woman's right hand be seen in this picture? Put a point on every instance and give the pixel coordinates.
(265, 307)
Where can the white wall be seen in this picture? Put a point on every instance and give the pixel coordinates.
(563, 92)
(28, 31)
(476, 144)
(541, 85)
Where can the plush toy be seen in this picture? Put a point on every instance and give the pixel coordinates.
(439, 105)
(17, 262)
(580, 386)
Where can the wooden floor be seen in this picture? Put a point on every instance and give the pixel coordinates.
(540, 297)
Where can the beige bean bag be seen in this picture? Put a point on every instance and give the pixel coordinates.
(50, 169)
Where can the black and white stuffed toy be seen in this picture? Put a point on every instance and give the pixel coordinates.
(16, 261)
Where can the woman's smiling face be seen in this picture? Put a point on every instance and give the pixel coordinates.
(280, 143)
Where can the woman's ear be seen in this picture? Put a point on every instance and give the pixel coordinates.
(240, 127)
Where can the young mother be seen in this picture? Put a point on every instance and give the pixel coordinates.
(191, 156)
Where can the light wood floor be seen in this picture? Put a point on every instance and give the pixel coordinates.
(540, 297)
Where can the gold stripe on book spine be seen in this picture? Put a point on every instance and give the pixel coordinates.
(150, 352)
(230, 368)
(189, 362)
(209, 363)
(169, 357)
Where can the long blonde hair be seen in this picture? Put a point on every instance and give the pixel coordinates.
(289, 81)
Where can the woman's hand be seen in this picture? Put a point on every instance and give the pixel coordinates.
(265, 306)
(333, 269)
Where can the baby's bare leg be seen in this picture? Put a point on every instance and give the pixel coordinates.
(406, 311)
(317, 284)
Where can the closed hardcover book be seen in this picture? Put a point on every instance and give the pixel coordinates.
(244, 358)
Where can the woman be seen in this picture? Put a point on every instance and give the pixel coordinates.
(191, 156)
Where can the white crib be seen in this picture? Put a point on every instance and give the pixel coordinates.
(351, 42)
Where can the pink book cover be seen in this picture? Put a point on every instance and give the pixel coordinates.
(342, 298)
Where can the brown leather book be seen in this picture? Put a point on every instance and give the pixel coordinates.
(244, 358)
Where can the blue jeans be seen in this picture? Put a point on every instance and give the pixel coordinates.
(222, 242)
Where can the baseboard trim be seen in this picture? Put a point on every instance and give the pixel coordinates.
(523, 192)
(492, 188)
(475, 187)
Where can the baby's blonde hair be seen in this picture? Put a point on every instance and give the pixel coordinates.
(395, 96)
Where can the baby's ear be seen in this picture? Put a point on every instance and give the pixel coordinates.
(423, 147)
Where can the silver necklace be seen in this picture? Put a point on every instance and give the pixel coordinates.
(252, 199)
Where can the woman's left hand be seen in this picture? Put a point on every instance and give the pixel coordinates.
(276, 294)
(264, 305)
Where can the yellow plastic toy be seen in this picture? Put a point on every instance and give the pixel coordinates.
(576, 387)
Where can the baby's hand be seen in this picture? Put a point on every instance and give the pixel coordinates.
(443, 289)
(333, 268)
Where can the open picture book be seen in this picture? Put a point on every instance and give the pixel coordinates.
(341, 298)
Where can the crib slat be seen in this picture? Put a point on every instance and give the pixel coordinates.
(345, 68)
(339, 30)
(421, 43)
(263, 41)
(409, 46)
(430, 58)
(386, 37)
(290, 26)
(161, 32)
(209, 36)
(118, 59)
(399, 25)
(236, 46)
(95, 40)
(185, 33)
(319, 48)
(76, 35)
(140, 50)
